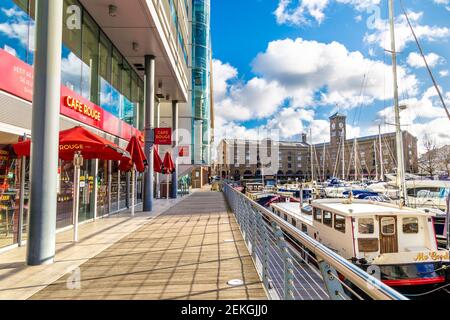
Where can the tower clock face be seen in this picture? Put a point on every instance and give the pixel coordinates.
(341, 125)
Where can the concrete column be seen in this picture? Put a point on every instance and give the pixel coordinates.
(149, 123)
(45, 133)
(175, 148)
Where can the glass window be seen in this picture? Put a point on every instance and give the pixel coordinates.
(388, 226)
(410, 225)
(71, 36)
(304, 228)
(328, 218)
(126, 80)
(366, 226)
(318, 214)
(90, 47)
(71, 66)
(115, 68)
(104, 58)
(294, 222)
(16, 29)
(339, 223)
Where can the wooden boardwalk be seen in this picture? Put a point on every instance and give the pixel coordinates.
(185, 253)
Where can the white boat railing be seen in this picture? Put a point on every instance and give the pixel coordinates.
(293, 266)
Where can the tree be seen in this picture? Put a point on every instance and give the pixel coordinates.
(445, 158)
(430, 160)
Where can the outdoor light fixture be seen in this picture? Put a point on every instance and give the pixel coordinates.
(159, 93)
(112, 10)
(403, 107)
(135, 46)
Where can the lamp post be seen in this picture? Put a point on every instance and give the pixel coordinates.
(77, 163)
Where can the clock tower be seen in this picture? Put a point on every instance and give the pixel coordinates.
(338, 129)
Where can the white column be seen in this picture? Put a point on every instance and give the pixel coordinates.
(45, 132)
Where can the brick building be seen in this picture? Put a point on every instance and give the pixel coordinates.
(248, 159)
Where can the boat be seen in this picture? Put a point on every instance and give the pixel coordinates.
(398, 243)
(428, 193)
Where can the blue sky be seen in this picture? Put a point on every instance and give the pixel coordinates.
(288, 65)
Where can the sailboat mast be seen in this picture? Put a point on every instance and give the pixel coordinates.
(323, 162)
(400, 161)
(343, 154)
(356, 159)
(376, 160)
(381, 155)
(312, 156)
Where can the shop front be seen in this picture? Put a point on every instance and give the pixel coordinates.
(104, 189)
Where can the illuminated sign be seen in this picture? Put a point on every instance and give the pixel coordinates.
(82, 108)
(163, 136)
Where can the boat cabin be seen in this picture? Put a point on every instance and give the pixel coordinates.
(360, 229)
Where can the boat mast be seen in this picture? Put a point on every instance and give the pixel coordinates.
(376, 160)
(381, 155)
(355, 160)
(343, 154)
(399, 137)
(323, 162)
(312, 156)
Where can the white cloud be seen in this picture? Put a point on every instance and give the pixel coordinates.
(403, 35)
(306, 67)
(422, 116)
(444, 73)
(222, 74)
(301, 12)
(415, 60)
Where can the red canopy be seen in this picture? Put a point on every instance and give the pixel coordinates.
(76, 139)
(168, 165)
(157, 162)
(137, 157)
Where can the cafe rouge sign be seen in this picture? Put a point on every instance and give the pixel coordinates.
(163, 136)
(83, 108)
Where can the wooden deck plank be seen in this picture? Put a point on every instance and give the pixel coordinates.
(180, 255)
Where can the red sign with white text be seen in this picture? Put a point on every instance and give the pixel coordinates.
(163, 136)
(17, 79)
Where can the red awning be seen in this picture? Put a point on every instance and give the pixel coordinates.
(168, 165)
(157, 162)
(137, 157)
(76, 139)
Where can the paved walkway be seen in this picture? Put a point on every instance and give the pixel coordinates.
(189, 252)
(18, 281)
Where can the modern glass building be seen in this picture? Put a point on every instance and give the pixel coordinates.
(103, 48)
(201, 80)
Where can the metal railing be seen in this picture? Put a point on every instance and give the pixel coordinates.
(292, 265)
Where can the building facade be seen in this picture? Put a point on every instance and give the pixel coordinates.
(104, 46)
(358, 158)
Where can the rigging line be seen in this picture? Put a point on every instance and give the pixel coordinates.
(425, 60)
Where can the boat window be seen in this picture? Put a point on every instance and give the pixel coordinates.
(328, 218)
(294, 222)
(339, 223)
(285, 217)
(410, 225)
(366, 226)
(304, 228)
(387, 226)
(318, 214)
